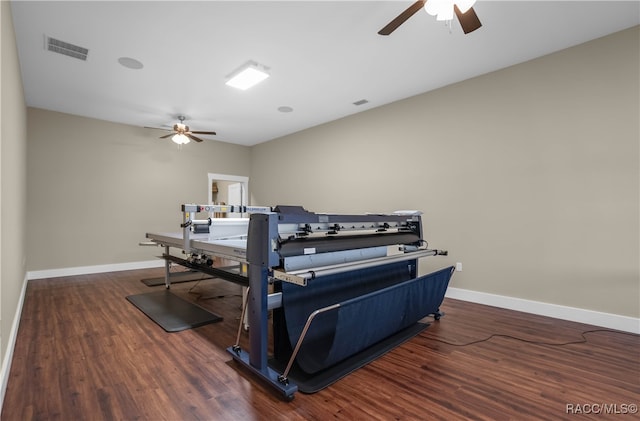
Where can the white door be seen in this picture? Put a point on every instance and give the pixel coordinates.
(235, 198)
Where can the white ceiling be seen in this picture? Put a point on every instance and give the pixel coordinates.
(322, 55)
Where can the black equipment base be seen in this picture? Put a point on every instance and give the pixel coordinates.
(171, 312)
(314, 383)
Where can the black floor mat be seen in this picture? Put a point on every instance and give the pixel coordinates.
(176, 278)
(171, 312)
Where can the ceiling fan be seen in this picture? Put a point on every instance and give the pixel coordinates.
(181, 133)
(443, 10)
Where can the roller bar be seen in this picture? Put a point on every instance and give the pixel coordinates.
(210, 270)
(225, 208)
(301, 276)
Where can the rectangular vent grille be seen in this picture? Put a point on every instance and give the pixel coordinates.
(61, 47)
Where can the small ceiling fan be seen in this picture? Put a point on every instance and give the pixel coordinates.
(181, 133)
(443, 10)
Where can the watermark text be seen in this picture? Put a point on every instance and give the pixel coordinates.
(601, 408)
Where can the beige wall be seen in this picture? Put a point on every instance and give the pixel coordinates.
(528, 175)
(13, 134)
(95, 188)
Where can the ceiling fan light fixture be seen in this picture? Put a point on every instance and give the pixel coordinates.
(180, 139)
(465, 5)
(247, 76)
(443, 9)
(445, 14)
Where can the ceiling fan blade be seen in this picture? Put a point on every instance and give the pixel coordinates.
(166, 136)
(402, 17)
(468, 20)
(211, 133)
(192, 137)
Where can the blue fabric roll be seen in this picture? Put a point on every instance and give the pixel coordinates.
(374, 303)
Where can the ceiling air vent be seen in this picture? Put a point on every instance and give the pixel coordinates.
(361, 102)
(61, 47)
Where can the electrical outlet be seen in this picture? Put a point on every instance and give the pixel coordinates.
(459, 267)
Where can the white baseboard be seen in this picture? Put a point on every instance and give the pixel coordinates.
(596, 318)
(11, 344)
(86, 270)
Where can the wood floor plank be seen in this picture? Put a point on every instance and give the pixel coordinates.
(83, 352)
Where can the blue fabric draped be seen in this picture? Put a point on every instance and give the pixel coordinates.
(374, 303)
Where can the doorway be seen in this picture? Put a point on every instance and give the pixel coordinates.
(224, 189)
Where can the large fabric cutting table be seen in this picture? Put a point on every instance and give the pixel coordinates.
(344, 289)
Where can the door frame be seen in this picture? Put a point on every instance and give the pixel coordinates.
(211, 177)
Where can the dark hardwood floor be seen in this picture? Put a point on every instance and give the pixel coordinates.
(84, 352)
